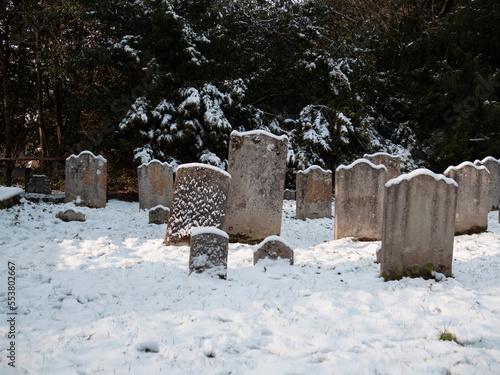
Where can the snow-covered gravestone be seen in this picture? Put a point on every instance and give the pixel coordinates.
(314, 193)
(199, 200)
(273, 247)
(473, 197)
(9, 196)
(391, 162)
(257, 164)
(493, 166)
(419, 222)
(209, 251)
(156, 180)
(359, 200)
(86, 179)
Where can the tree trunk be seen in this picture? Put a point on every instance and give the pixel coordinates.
(7, 117)
(39, 95)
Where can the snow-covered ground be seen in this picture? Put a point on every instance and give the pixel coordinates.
(108, 297)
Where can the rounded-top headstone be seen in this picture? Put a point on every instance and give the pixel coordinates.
(209, 251)
(273, 247)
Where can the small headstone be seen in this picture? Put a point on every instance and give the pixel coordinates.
(289, 195)
(209, 252)
(159, 215)
(70, 215)
(86, 179)
(493, 166)
(156, 180)
(391, 162)
(359, 200)
(473, 197)
(199, 200)
(419, 222)
(273, 247)
(39, 184)
(314, 193)
(9, 196)
(257, 164)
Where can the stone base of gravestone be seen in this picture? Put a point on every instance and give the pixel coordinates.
(9, 196)
(156, 180)
(70, 215)
(159, 215)
(391, 162)
(39, 184)
(273, 247)
(209, 252)
(289, 195)
(314, 193)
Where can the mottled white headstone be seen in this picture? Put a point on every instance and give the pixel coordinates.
(156, 181)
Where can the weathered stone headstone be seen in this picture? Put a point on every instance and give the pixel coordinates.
(493, 166)
(86, 179)
(156, 180)
(391, 162)
(70, 215)
(273, 247)
(473, 197)
(39, 184)
(419, 222)
(209, 252)
(159, 215)
(314, 193)
(9, 196)
(199, 200)
(289, 195)
(359, 200)
(257, 164)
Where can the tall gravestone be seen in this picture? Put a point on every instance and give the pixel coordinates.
(473, 197)
(86, 179)
(156, 180)
(493, 166)
(419, 222)
(209, 252)
(359, 200)
(391, 162)
(257, 164)
(199, 200)
(313, 193)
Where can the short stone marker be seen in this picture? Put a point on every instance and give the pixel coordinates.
(39, 184)
(473, 197)
(9, 196)
(419, 222)
(159, 215)
(86, 178)
(209, 252)
(156, 181)
(359, 200)
(289, 195)
(314, 193)
(199, 200)
(273, 247)
(493, 166)
(257, 164)
(391, 162)
(70, 215)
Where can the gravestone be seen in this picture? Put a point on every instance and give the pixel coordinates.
(70, 215)
(39, 184)
(86, 179)
(473, 197)
(159, 215)
(273, 247)
(156, 180)
(391, 162)
(493, 166)
(314, 193)
(199, 200)
(289, 195)
(419, 221)
(257, 164)
(9, 196)
(209, 252)
(359, 200)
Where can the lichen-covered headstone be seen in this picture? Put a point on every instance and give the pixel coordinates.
(391, 162)
(359, 200)
(314, 193)
(257, 164)
(209, 252)
(86, 179)
(419, 222)
(159, 215)
(493, 166)
(156, 180)
(473, 197)
(39, 184)
(199, 200)
(273, 247)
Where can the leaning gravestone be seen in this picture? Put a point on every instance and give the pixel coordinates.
(39, 184)
(493, 166)
(359, 200)
(391, 162)
(209, 252)
(86, 179)
(273, 247)
(314, 193)
(473, 197)
(156, 180)
(199, 200)
(257, 164)
(419, 222)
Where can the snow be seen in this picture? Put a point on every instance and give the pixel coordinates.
(201, 165)
(465, 164)
(486, 159)
(308, 170)
(283, 138)
(209, 230)
(100, 157)
(419, 172)
(107, 296)
(379, 154)
(9, 192)
(147, 164)
(365, 161)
